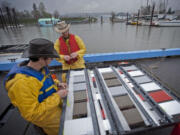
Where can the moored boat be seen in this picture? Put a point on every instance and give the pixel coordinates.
(172, 23)
(47, 21)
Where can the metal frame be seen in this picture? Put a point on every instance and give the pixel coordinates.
(106, 105)
(61, 128)
(104, 126)
(150, 120)
(165, 117)
(112, 110)
(91, 103)
(164, 88)
(119, 113)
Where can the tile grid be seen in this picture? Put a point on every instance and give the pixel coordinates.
(80, 97)
(156, 92)
(124, 102)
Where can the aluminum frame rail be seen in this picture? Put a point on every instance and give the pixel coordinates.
(62, 119)
(107, 108)
(92, 106)
(106, 124)
(117, 124)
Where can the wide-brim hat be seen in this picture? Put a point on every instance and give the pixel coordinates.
(62, 27)
(40, 47)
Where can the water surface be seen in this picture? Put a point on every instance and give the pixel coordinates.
(101, 38)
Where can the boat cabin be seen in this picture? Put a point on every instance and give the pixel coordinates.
(47, 21)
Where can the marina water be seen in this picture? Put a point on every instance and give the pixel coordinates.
(102, 37)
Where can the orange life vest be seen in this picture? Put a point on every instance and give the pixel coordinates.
(73, 47)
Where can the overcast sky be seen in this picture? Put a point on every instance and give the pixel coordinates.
(84, 6)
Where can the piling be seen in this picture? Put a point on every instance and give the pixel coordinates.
(14, 17)
(10, 22)
(3, 20)
(8, 19)
(127, 19)
(101, 19)
(2, 23)
(138, 18)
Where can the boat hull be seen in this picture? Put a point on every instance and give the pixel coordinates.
(169, 23)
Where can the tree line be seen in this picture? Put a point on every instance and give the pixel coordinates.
(38, 11)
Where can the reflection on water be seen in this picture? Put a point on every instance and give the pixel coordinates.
(103, 37)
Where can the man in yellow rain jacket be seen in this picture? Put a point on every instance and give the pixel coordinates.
(32, 89)
(70, 47)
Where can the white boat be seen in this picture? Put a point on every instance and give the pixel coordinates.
(47, 21)
(172, 23)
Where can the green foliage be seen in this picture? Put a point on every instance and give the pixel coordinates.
(34, 15)
(56, 14)
(170, 11)
(27, 21)
(73, 19)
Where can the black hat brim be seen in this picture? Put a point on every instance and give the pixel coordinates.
(26, 54)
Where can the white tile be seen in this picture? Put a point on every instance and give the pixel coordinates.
(81, 126)
(150, 86)
(132, 67)
(80, 72)
(79, 78)
(127, 80)
(104, 70)
(135, 73)
(79, 86)
(171, 107)
(119, 90)
(142, 79)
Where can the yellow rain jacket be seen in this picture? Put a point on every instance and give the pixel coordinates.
(80, 62)
(24, 91)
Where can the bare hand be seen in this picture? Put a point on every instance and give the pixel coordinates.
(62, 85)
(62, 93)
(74, 55)
(67, 57)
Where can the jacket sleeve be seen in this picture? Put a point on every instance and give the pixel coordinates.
(81, 45)
(57, 47)
(25, 97)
